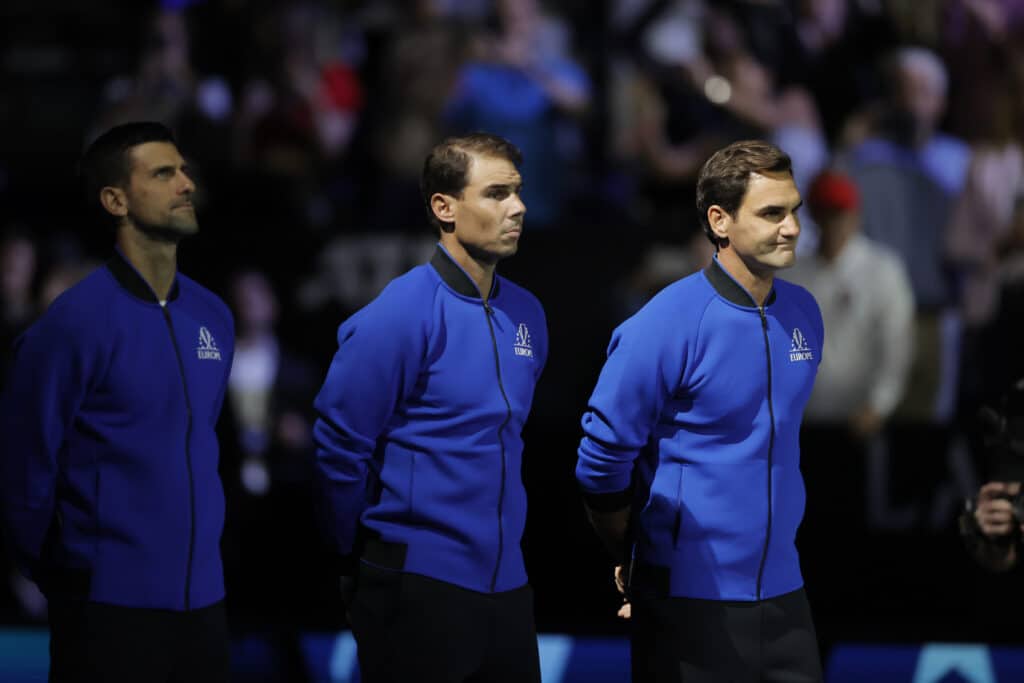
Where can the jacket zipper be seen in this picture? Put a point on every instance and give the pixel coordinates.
(188, 462)
(771, 444)
(501, 442)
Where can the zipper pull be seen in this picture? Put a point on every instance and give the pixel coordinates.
(764, 320)
(487, 308)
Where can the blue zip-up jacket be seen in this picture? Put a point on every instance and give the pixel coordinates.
(420, 420)
(703, 391)
(108, 477)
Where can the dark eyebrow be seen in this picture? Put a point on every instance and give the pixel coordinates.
(504, 186)
(774, 208)
(160, 169)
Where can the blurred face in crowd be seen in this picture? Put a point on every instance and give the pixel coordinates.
(17, 268)
(837, 226)
(764, 231)
(255, 302)
(157, 200)
(829, 15)
(488, 216)
(922, 94)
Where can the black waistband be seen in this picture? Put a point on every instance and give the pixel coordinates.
(385, 554)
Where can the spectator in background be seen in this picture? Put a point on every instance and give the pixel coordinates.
(661, 265)
(66, 265)
(981, 234)
(868, 307)
(166, 87)
(911, 175)
(422, 58)
(708, 87)
(999, 342)
(300, 120)
(298, 115)
(752, 90)
(663, 125)
(268, 390)
(268, 442)
(904, 129)
(18, 262)
(983, 44)
(838, 45)
(524, 86)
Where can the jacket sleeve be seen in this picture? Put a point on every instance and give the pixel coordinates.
(46, 387)
(644, 367)
(380, 352)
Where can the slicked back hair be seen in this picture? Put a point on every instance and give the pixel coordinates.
(446, 169)
(106, 161)
(725, 175)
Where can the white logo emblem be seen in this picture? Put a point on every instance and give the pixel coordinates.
(207, 349)
(798, 348)
(522, 345)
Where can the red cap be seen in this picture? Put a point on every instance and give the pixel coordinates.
(833, 191)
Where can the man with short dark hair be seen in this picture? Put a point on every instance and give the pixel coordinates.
(690, 458)
(419, 458)
(110, 494)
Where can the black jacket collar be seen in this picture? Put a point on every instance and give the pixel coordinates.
(729, 289)
(456, 278)
(129, 278)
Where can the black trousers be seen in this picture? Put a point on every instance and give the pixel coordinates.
(96, 643)
(413, 628)
(684, 640)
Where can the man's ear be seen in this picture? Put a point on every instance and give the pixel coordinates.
(443, 206)
(114, 200)
(719, 220)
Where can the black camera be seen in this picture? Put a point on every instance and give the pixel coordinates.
(1003, 437)
(1003, 434)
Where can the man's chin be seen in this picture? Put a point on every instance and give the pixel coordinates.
(492, 254)
(170, 233)
(782, 260)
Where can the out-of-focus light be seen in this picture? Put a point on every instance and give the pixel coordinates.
(718, 89)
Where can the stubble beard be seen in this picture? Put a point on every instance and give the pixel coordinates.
(490, 256)
(172, 231)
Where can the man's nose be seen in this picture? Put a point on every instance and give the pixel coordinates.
(188, 186)
(791, 226)
(518, 207)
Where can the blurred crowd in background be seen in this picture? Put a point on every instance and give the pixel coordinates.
(307, 124)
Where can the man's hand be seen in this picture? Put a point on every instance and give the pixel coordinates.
(866, 422)
(994, 512)
(621, 581)
(995, 545)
